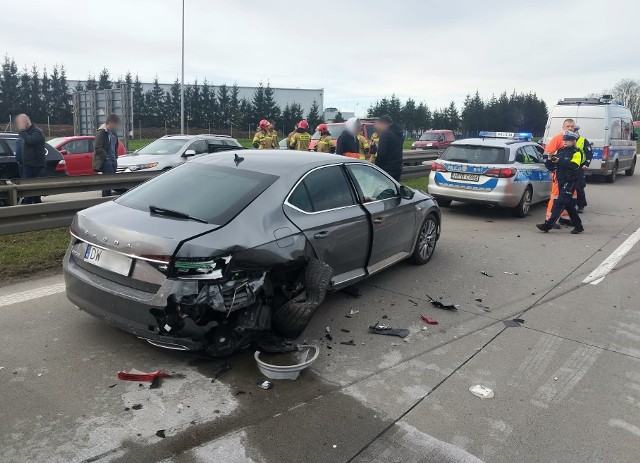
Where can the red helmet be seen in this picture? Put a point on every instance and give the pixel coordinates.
(264, 124)
(323, 128)
(304, 125)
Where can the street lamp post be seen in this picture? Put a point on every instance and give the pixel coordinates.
(182, 79)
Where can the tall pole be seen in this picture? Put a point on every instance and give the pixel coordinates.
(182, 80)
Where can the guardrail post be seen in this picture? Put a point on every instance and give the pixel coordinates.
(13, 197)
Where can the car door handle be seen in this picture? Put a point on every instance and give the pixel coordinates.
(321, 235)
(378, 220)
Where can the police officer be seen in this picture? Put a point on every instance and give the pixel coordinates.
(300, 140)
(262, 140)
(587, 155)
(566, 163)
(363, 145)
(325, 143)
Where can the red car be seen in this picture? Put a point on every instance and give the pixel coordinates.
(336, 129)
(77, 152)
(434, 139)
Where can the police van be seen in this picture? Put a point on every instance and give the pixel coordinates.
(607, 125)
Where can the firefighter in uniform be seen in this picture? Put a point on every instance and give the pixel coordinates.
(300, 139)
(325, 143)
(262, 139)
(363, 144)
(274, 134)
(566, 163)
(587, 155)
(375, 140)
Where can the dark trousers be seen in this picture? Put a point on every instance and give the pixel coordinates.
(109, 166)
(32, 172)
(582, 184)
(566, 202)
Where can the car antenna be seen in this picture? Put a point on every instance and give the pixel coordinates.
(238, 159)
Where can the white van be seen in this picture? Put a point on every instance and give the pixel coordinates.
(607, 125)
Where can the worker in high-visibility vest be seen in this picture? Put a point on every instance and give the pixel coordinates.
(325, 142)
(300, 140)
(587, 155)
(375, 140)
(554, 145)
(262, 140)
(363, 145)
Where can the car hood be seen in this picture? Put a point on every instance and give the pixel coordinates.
(133, 159)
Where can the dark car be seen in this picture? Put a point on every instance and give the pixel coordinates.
(218, 252)
(9, 166)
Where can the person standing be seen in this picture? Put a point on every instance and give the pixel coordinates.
(300, 139)
(105, 150)
(587, 155)
(554, 145)
(566, 163)
(375, 139)
(262, 140)
(274, 134)
(32, 152)
(347, 144)
(363, 145)
(390, 147)
(325, 142)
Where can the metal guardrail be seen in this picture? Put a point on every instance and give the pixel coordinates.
(18, 219)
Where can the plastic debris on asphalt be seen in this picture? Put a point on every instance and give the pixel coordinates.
(388, 331)
(265, 384)
(348, 343)
(287, 365)
(142, 376)
(428, 320)
(486, 274)
(481, 391)
(513, 323)
(441, 305)
(160, 433)
(354, 312)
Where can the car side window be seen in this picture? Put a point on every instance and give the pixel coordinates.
(322, 189)
(76, 146)
(374, 185)
(531, 155)
(200, 147)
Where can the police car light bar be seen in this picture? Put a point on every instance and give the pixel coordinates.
(510, 135)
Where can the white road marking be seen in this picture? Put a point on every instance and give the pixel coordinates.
(23, 296)
(610, 262)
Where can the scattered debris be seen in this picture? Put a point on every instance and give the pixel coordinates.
(388, 331)
(289, 365)
(328, 334)
(240, 392)
(335, 446)
(137, 375)
(413, 302)
(348, 343)
(352, 291)
(344, 330)
(424, 328)
(441, 305)
(265, 384)
(555, 379)
(354, 312)
(161, 433)
(486, 274)
(479, 299)
(510, 323)
(136, 407)
(428, 320)
(518, 320)
(385, 316)
(481, 391)
(113, 385)
(126, 409)
(39, 374)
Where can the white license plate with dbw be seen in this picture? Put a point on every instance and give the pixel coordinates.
(465, 177)
(108, 260)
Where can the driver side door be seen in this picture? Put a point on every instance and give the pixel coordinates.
(392, 219)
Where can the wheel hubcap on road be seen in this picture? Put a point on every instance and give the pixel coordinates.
(428, 238)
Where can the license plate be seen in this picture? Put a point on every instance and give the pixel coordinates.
(466, 177)
(108, 260)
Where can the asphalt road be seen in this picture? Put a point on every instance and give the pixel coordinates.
(566, 382)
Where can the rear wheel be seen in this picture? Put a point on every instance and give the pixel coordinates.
(613, 175)
(426, 242)
(522, 209)
(629, 172)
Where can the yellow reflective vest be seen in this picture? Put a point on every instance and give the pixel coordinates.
(325, 144)
(300, 141)
(263, 140)
(363, 145)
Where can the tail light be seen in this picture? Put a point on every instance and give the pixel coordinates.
(437, 167)
(160, 263)
(501, 173)
(62, 166)
(605, 153)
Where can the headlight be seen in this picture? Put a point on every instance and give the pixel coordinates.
(151, 165)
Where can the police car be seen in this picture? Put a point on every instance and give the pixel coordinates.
(497, 169)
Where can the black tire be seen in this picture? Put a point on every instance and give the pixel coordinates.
(443, 202)
(629, 172)
(613, 175)
(522, 209)
(292, 318)
(426, 243)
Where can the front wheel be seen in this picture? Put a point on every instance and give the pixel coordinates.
(522, 209)
(426, 242)
(629, 172)
(613, 175)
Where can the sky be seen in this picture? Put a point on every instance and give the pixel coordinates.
(358, 51)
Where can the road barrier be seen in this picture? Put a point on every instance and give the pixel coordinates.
(32, 217)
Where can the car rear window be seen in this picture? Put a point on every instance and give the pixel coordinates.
(212, 193)
(475, 154)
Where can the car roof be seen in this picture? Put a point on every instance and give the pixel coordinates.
(493, 142)
(204, 136)
(274, 162)
(8, 135)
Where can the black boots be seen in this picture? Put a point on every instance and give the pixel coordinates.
(543, 227)
(577, 230)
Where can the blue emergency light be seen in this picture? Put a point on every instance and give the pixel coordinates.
(510, 135)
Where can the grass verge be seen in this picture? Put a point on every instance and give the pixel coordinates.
(28, 253)
(419, 183)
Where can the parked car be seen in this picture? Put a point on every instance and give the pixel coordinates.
(499, 169)
(9, 166)
(607, 125)
(172, 150)
(217, 252)
(336, 129)
(78, 152)
(434, 139)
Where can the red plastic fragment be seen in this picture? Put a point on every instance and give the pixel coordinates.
(141, 376)
(428, 320)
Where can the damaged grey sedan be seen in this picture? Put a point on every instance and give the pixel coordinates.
(235, 250)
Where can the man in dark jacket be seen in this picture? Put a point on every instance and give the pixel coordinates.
(390, 146)
(32, 152)
(347, 144)
(105, 151)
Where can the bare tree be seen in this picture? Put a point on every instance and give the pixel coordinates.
(628, 92)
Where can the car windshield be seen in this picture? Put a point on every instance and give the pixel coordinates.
(212, 193)
(334, 130)
(57, 141)
(163, 146)
(429, 137)
(471, 154)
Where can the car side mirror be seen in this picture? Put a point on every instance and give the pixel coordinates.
(189, 153)
(406, 192)
(63, 152)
